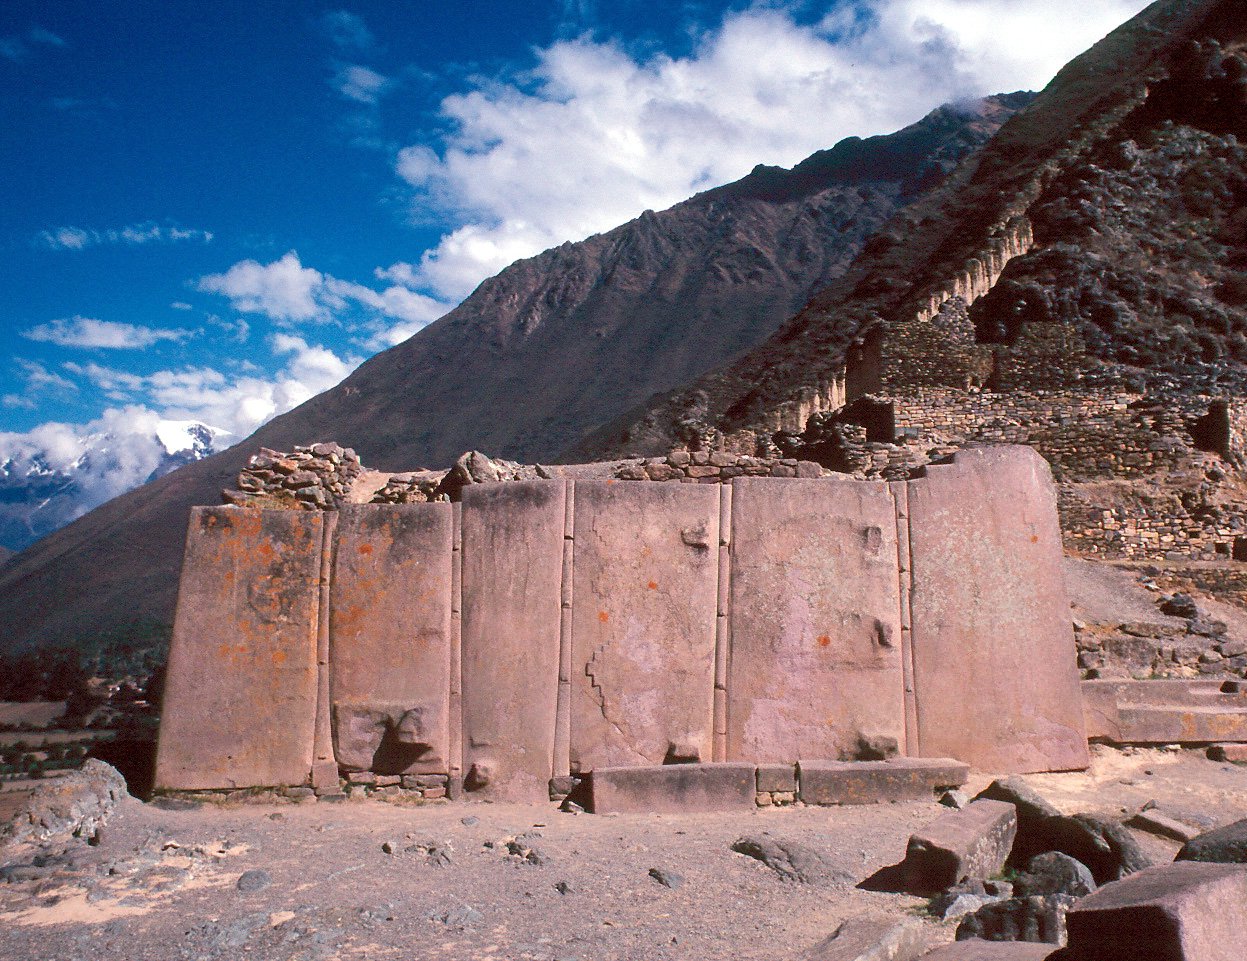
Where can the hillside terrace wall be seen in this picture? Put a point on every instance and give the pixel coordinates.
(1087, 437)
(542, 629)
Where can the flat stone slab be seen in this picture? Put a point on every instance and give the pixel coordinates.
(862, 939)
(995, 666)
(1181, 725)
(1185, 911)
(777, 777)
(240, 699)
(389, 626)
(672, 788)
(992, 951)
(1164, 711)
(512, 599)
(1162, 825)
(815, 667)
(872, 782)
(1234, 753)
(971, 843)
(645, 582)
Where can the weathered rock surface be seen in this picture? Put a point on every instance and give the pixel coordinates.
(860, 939)
(971, 843)
(1040, 918)
(1184, 911)
(792, 860)
(75, 805)
(1226, 845)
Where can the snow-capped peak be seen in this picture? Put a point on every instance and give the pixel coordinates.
(188, 435)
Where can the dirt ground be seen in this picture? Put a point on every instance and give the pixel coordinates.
(164, 884)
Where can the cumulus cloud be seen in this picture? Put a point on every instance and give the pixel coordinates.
(105, 334)
(57, 472)
(287, 292)
(79, 238)
(284, 290)
(237, 402)
(592, 136)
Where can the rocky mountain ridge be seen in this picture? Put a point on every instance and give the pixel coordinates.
(1172, 66)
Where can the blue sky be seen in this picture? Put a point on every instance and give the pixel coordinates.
(211, 211)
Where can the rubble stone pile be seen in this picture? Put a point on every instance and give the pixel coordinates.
(317, 477)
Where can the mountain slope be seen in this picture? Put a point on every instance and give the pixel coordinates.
(547, 350)
(1136, 80)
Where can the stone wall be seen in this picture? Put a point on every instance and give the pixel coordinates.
(1133, 480)
(544, 628)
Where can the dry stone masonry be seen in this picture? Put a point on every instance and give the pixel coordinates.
(540, 630)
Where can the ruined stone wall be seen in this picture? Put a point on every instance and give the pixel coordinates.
(543, 628)
(979, 275)
(1100, 445)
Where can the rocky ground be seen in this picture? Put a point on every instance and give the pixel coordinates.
(368, 879)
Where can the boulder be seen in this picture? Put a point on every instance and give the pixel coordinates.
(1185, 911)
(1040, 919)
(1226, 845)
(75, 805)
(793, 861)
(1054, 873)
(971, 843)
(860, 939)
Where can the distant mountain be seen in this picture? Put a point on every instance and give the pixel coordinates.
(44, 488)
(547, 350)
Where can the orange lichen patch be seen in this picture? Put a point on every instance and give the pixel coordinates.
(824, 640)
(365, 548)
(652, 585)
(279, 657)
(1034, 538)
(603, 616)
(265, 550)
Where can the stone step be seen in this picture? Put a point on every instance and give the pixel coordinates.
(691, 788)
(1165, 711)
(872, 782)
(1182, 725)
(672, 788)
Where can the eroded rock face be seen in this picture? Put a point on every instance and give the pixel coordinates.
(792, 860)
(73, 806)
(1039, 919)
(1185, 911)
(1227, 845)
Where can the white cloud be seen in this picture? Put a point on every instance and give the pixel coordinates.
(106, 334)
(238, 403)
(591, 136)
(287, 292)
(39, 381)
(79, 238)
(284, 290)
(361, 84)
